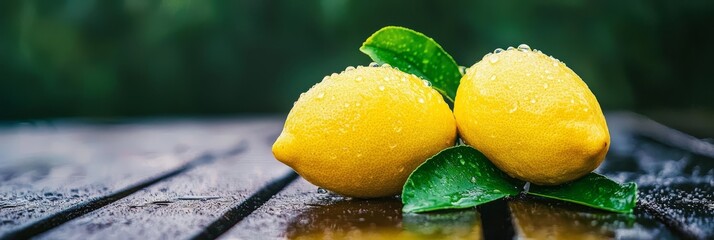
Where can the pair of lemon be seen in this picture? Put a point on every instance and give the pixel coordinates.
(361, 133)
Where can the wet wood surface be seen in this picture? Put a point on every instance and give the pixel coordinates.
(207, 179)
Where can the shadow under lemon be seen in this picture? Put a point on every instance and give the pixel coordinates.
(381, 219)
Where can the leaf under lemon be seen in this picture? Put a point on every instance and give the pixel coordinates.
(456, 177)
(593, 190)
(462, 177)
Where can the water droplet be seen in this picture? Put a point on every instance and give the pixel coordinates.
(462, 69)
(493, 77)
(397, 129)
(347, 105)
(533, 100)
(374, 64)
(426, 83)
(498, 50)
(421, 100)
(392, 146)
(404, 79)
(572, 100)
(524, 47)
(359, 155)
(358, 104)
(386, 65)
(381, 88)
(547, 71)
(586, 109)
(462, 161)
(510, 48)
(359, 78)
(425, 61)
(493, 58)
(514, 108)
(473, 179)
(350, 68)
(322, 191)
(401, 169)
(320, 95)
(545, 85)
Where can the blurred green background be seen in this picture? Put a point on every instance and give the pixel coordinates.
(91, 58)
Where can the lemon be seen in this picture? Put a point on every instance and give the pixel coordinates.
(361, 133)
(532, 116)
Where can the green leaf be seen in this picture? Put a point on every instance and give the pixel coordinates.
(457, 177)
(462, 177)
(413, 52)
(593, 190)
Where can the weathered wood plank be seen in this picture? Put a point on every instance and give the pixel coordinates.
(184, 205)
(48, 168)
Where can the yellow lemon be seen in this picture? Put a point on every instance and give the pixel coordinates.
(532, 116)
(361, 133)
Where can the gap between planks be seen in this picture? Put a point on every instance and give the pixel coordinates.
(238, 212)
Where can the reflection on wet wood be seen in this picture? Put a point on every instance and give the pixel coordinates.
(542, 219)
(300, 212)
(381, 219)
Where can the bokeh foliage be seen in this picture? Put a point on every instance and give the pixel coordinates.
(188, 57)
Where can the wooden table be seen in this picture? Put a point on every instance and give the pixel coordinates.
(217, 178)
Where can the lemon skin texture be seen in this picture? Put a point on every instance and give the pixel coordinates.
(361, 133)
(532, 116)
